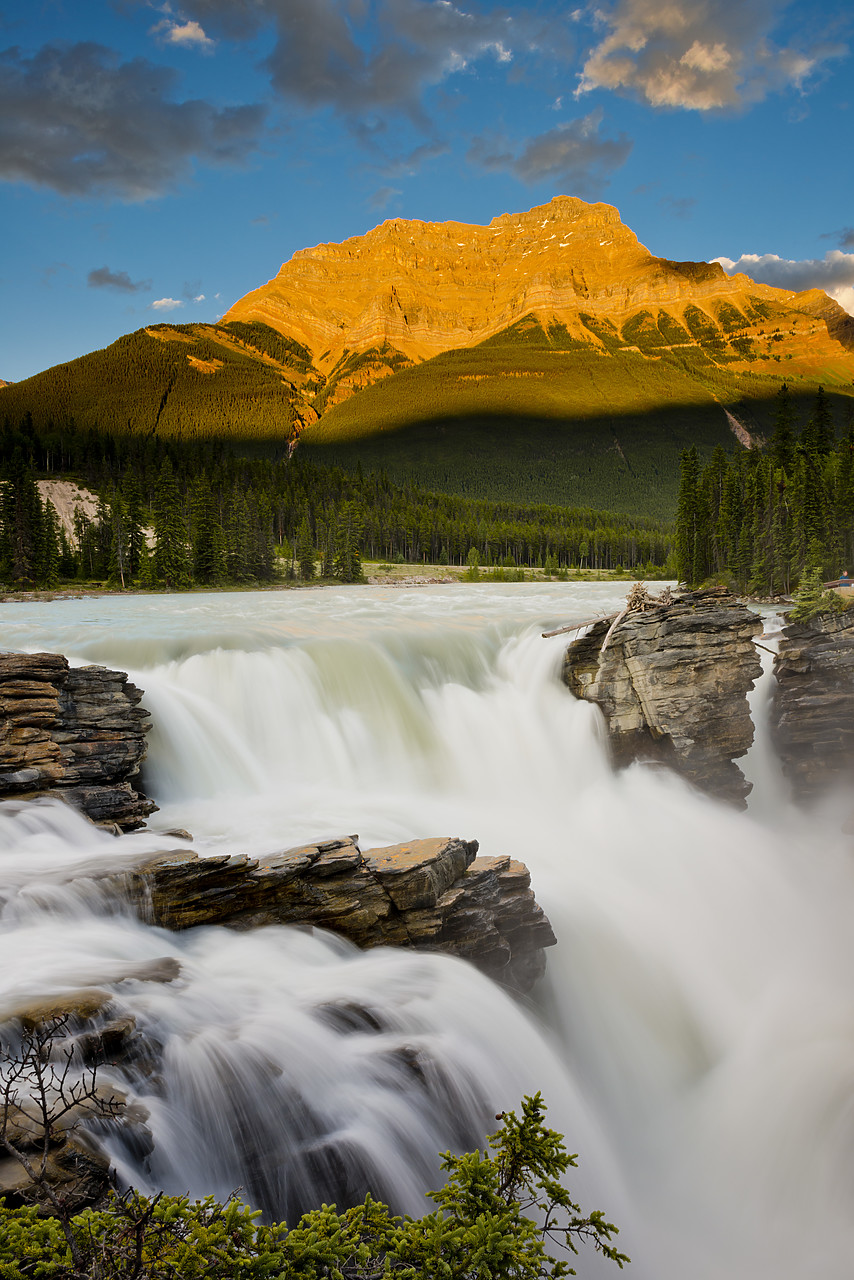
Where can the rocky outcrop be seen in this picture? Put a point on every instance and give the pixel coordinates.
(672, 685)
(73, 732)
(436, 895)
(812, 712)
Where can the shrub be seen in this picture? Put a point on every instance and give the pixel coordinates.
(480, 1230)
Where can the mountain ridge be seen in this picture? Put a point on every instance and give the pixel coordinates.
(549, 345)
(424, 288)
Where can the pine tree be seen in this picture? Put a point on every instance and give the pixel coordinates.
(208, 540)
(134, 523)
(819, 435)
(782, 443)
(305, 551)
(348, 536)
(21, 525)
(171, 551)
(686, 517)
(48, 558)
(119, 567)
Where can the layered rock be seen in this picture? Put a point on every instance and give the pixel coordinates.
(88, 1026)
(436, 895)
(812, 711)
(672, 685)
(420, 288)
(73, 732)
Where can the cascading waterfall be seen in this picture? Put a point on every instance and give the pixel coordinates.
(693, 1036)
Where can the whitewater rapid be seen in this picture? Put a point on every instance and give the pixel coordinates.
(694, 1036)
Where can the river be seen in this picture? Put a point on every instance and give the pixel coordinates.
(694, 1034)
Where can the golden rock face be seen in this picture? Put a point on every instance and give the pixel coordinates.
(423, 287)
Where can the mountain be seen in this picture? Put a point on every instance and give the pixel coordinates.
(547, 354)
(423, 288)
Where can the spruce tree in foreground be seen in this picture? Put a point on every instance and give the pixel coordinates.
(503, 1214)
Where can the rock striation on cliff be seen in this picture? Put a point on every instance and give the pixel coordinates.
(73, 732)
(812, 711)
(436, 895)
(672, 684)
(416, 289)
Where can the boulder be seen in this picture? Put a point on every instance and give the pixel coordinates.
(436, 895)
(672, 684)
(812, 710)
(73, 732)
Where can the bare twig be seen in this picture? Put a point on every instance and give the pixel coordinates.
(36, 1095)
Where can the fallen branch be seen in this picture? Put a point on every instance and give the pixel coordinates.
(613, 628)
(577, 626)
(639, 600)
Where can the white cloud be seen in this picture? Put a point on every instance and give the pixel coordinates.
(166, 304)
(834, 273)
(699, 55)
(188, 35)
(199, 298)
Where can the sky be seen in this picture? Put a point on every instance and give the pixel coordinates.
(160, 159)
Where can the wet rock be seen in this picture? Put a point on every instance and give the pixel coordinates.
(672, 685)
(73, 1006)
(812, 711)
(432, 894)
(73, 732)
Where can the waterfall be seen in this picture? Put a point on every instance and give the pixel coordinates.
(693, 1036)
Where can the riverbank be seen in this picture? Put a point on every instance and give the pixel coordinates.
(376, 574)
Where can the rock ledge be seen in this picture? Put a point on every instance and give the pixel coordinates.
(436, 895)
(73, 732)
(672, 685)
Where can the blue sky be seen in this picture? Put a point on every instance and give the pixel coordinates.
(158, 160)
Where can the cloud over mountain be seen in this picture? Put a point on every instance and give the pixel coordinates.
(698, 54)
(572, 154)
(834, 273)
(76, 119)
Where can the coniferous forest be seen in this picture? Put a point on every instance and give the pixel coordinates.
(761, 519)
(174, 514)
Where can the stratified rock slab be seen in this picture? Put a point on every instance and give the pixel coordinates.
(75, 732)
(673, 684)
(436, 895)
(812, 713)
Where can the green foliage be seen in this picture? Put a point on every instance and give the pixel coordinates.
(29, 534)
(764, 520)
(305, 553)
(503, 1214)
(176, 380)
(348, 540)
(811, 598)
(261, 337)
(228, 519)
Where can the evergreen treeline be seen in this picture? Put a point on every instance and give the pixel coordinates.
(761, 519)
(174, 514)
